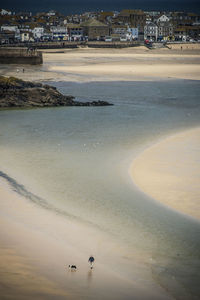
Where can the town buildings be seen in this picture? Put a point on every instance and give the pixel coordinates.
(126, 25)
(151, 32)
(165, 28)
(59, 32)
(94, 29)
(75, 32)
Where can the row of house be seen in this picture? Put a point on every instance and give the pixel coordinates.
(89, 30)
(161, 29)
(126, 25)
(164, 29)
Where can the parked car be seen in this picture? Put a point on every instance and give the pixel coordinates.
(123, 39)
(108, 39)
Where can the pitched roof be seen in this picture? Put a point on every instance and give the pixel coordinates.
(106, 13)
(74, 25)
(119, 26)
(128, 12)
(93, 23)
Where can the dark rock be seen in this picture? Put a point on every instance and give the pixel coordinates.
(15, 92)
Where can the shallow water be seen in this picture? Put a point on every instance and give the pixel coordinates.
(77, 159)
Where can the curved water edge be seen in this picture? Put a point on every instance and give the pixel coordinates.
(79, 168)
(22, 191)
(70, 235)
(171, 272)
(179, 274)
(156, 171)
(178, 268)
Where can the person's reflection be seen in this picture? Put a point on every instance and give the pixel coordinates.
(89, 276)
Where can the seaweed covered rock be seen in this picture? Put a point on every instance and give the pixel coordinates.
(15, 92)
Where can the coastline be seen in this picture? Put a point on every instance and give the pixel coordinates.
(129, 64)
(169, 172)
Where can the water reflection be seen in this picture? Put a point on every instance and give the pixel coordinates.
(89, 276)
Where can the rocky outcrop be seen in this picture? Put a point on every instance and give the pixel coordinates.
(15, 92)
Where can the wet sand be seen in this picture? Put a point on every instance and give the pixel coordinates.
(170, 172)
(131, 64)
(37, 245)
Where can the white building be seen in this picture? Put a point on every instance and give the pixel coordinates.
(4, 12)
(151, 32)
(165, 28)
(163, 18)
(59, 32)
(11, 28)
(38, 32)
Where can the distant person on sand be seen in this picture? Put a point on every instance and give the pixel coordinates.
(91, 261)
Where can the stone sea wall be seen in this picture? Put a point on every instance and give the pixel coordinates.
(15, 55)
(77, 44)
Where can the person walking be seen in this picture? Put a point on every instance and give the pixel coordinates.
(91, 261)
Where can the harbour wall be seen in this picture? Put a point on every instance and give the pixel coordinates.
(16, 55)
(77, 44)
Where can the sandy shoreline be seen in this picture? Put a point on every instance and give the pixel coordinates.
(129, 64)
(169, 172)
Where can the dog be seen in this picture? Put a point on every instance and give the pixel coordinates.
(72, 267)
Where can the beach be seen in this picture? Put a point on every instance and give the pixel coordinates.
(169, 172)
(119, 183)
(136, 63)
